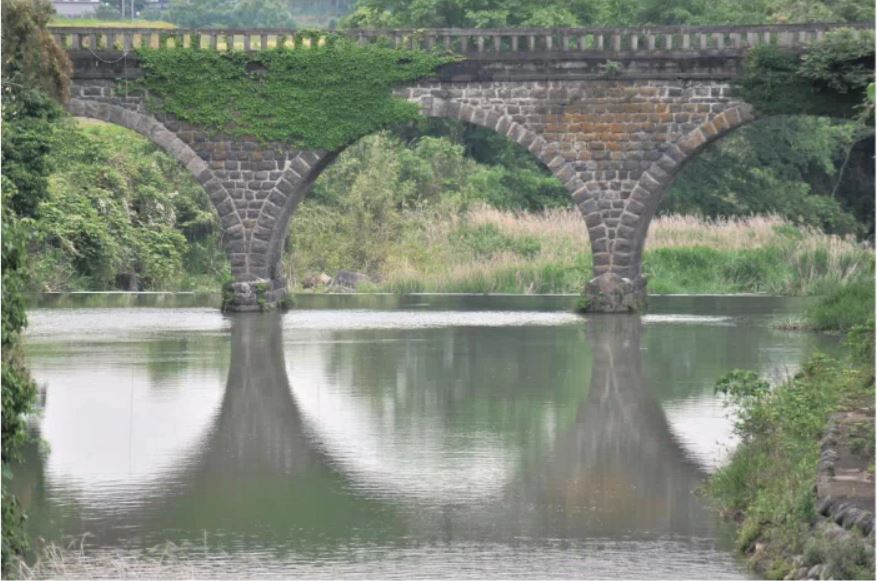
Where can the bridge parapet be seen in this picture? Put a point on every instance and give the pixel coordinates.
(473, 43)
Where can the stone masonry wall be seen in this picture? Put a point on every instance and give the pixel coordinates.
(615, 144)
(254, 186)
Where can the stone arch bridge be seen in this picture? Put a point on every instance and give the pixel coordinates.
(613, 113)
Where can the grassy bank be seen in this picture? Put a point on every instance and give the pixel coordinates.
(498, 251)
(768, 486)
(842, 308)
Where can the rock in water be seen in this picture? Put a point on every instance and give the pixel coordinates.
(346, 279)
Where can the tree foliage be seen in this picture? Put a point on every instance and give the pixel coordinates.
(230, 14)
(121, 212)
(550, 13)
(366, 205)
(830, 78)
(795, 166)
(34, 70)
(31, 58)
(18, 390)
(512, 177)
(780, 165)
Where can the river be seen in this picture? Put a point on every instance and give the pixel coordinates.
(382, 436)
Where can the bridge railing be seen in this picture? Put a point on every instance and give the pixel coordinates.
(473, 42)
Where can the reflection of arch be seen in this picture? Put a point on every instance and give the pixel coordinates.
(620, 437)
(619, 431)
(259, 462)
(153, 130)
(255, 439)
(258, 426)
(620, 457)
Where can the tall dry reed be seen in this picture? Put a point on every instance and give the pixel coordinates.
(684, 253)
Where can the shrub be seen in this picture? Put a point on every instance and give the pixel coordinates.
(770, 477)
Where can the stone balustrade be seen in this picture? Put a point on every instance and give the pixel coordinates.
(484, 43)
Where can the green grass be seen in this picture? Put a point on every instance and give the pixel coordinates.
(97, 23)
(485, 250)
(709, 270)
(843, 307)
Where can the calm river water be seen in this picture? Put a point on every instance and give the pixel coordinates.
(394, 437)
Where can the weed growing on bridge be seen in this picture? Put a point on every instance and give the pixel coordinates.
(830, 78)
(322, 97)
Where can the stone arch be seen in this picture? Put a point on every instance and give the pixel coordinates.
(505, 125)
(626, 250)
(150, 128)
(273, 224)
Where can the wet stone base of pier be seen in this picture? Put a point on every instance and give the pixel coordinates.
(611, 293)
(254, 296)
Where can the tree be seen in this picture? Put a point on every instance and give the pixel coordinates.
(231, 14)
(787, 166)
(499, 13)
(35, 74)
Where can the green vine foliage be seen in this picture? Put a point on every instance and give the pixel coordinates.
(314, 98)
(830, 78)
(34, 71)
(18, 389)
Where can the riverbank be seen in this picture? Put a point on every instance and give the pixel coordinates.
(487, 250)
(800, 484)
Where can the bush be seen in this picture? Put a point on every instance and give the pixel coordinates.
(116, 204)
(770, 478)
(35, 70)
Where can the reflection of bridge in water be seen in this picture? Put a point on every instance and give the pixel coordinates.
(264, 466)
(620, 458)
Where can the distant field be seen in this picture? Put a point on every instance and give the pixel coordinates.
(95, 23)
